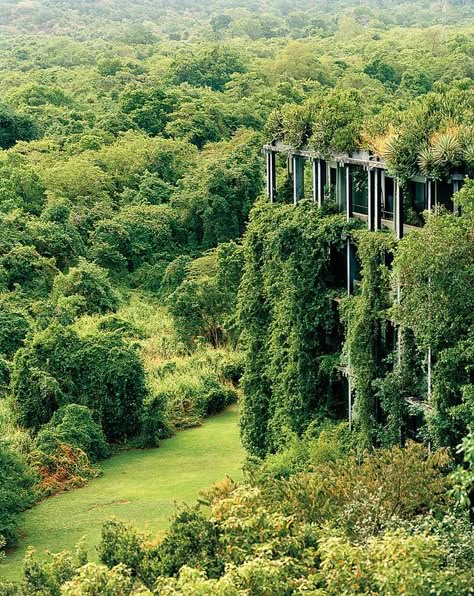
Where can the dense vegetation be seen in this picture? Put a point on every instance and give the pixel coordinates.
(141, 277)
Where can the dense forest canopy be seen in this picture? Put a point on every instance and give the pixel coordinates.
(147, 283)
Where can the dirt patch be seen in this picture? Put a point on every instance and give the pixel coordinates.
(102, 505)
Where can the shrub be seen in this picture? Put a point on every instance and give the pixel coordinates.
(192, 540)
(94, 579)
(155, 423)
(115, 324)
(174, 275)
(62, 468)
(25, 267)
(92, 283)
(191, 398)
(389, 564)
(16, 491)
(100, 371)
(182, 393)
(57, 240)
(196, 306)
(122, 544)
(202, 294)
(135, 235)
(232, 365)
(46, 576)
(14, 327)
(73, 424)
(5, 373)
(364, 497)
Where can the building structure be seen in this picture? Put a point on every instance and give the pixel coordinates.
(362, 188)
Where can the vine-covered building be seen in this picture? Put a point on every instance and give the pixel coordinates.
(362, 187)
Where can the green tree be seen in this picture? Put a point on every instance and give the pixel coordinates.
(100, 371)
(14, 326)
(14, 127)
(91, 283)
(209, 67)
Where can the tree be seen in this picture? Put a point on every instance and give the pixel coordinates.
(90, 282)
(434, 267)
(14, 127)
(210, 67)
(216, 197)
(26, 268)
(148, 107)
(380, 70)
(102, 371)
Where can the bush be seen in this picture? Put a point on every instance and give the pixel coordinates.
(232, 366)
(14, 327)
(94, 579)
(192, 540)
(114, 324)
(25, 267)
(73, 424)
(182, 393)
(92, 283)
(100, 371)
(174, 275)
(122, 544)
(364, 497)
(202, 294)
(191, 398)
(16, 491)
(134, 236)
(5, 373)
(155, 423)
(393, 563)
(62, 468)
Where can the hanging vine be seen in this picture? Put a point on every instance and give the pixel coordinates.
(290, 322)
(365, 316)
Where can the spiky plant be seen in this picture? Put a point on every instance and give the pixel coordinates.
(446, 148)
(426, 161)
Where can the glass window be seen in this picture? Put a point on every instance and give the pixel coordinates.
(360, 190)
(414, 203)
(388, 191)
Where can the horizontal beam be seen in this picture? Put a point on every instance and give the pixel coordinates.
(340, 158)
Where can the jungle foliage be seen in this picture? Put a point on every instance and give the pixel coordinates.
(141, 278)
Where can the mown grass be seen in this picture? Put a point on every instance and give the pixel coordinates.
(143, 486)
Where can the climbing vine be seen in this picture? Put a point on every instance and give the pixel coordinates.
(289, 317)
(366, 320)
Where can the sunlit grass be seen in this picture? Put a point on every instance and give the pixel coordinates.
(143, 486)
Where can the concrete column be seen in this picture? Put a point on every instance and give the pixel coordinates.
(315, 177)
(348, 193)
(456, 188)
(268, 174)
(428, 373)
(320, 183)
(377, 199)
(429, 194)
(349, 398)
(271, 175)
(349, 267)
(398, 216)
(370, 199)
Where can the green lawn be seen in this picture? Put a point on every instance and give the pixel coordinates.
(142, 486)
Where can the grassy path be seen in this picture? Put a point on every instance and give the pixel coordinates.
(140, 486)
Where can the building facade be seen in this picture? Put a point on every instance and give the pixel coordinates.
(362, 188)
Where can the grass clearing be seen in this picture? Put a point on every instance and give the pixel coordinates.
(143, 486)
